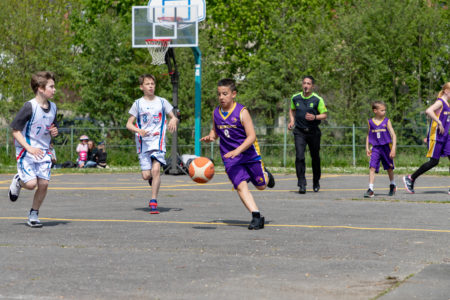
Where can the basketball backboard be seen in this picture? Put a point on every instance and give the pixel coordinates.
(176, 20)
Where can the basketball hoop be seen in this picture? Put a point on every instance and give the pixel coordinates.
(157, 49)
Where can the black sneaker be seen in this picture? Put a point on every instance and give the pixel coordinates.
(316, 187)
(409, 184)
(369, 194)
(257, 222)
(302, 189)
(392, 189)
(271, 182)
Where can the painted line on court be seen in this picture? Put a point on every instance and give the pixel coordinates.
(236, 224)
(185, 187)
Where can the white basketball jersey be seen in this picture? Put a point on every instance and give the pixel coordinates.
(151, 116)
(36, 131)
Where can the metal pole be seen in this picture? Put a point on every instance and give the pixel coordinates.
(7, 141)
(198, 100)
(353, 145)
(285, 135)
(174, 80)
(71, 143)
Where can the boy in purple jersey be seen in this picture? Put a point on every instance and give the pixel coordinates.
(239, 148)
(33, 128)
(438, 136)
(381, 143)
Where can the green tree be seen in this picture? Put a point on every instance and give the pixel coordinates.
(35, 37)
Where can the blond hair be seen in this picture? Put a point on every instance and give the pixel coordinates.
(444, 87)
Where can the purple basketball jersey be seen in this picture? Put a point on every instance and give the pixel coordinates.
(444, 117)
(379, 133)
(232, 134)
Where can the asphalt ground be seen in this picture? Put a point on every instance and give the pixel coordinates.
(100, 242)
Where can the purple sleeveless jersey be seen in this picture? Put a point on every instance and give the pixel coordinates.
(232, 134)
(379, 134)
(444, 117)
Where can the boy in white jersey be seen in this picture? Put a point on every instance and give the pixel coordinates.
(148, 121)
(33, 128)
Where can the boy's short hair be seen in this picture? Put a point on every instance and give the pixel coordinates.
(40, 79)
(229, 83)
(377, 104)
(143, 76)
(309, 77)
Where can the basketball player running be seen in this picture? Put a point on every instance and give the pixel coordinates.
(33, 128)
(149, 113)
(438, 137)
(239, 148)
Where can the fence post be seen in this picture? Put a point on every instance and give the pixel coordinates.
(285, 134)
(212, 150)
(71, 143)
(354, 145)
(7, 141)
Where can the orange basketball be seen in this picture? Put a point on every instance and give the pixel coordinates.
(201, 170)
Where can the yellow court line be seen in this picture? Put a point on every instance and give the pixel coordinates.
(229, 224)
(202, 188)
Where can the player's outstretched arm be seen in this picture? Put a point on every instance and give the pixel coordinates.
(211, 137)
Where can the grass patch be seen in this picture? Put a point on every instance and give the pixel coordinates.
(395, 285)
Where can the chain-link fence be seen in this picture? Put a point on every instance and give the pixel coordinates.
(341, 146)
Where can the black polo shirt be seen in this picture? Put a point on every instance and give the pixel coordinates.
(312, 104)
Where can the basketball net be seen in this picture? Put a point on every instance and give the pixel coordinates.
(158, 49)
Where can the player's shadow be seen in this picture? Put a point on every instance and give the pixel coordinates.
(237, 223)
(160, 208)
(55, 223)
(434, 192)
(204, 227)
(47, 224)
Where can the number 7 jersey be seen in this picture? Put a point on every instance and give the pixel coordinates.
(36, 130)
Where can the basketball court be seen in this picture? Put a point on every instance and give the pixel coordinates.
(100, 242)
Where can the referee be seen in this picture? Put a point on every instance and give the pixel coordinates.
(307, 110)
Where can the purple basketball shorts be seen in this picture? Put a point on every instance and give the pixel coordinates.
(251, 171)
(381, 153)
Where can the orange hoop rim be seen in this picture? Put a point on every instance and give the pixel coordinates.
(157, 40)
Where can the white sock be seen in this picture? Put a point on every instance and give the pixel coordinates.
(371, 186)
(393, 182)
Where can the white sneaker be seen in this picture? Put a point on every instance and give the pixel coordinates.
(14, 188)
(33, 220)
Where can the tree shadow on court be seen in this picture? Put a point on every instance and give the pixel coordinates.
(160, 208)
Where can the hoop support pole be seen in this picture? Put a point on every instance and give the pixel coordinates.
(198, 100)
